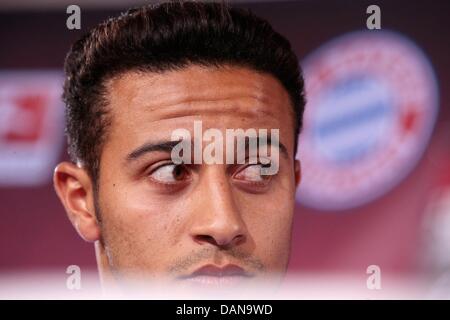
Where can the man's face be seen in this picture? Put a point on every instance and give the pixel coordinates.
(194, 223)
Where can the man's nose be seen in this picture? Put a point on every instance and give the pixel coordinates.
(217, 219)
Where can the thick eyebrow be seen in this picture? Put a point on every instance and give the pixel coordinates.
(165, 146)
(281, 146)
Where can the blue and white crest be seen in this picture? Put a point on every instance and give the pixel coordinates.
(372, 105)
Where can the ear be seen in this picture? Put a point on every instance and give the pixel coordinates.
(298, 172)
(75, 190)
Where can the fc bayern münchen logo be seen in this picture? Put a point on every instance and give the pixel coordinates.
(372, 105)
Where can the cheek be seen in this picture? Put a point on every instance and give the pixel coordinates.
(137, 228)
(269, 222)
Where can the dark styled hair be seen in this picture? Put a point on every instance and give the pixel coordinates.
(163, 37)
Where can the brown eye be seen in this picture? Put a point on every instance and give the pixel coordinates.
(251, 173)
(169, 173)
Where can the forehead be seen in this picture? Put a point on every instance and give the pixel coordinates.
(196, 87)
(145, 104)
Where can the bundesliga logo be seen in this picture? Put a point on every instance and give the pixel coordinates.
(372, 106)
(31, 126)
